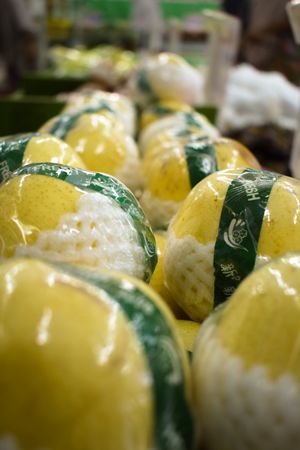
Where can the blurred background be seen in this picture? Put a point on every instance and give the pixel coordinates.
(243, 49)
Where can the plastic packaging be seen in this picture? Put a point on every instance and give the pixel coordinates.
(230, 223)
(246, 372)
(98, 353)
(98, 136)
(64, 214)
(161, 109)
(157, 281)
(23, 149)
(175, 162)
(167, 76)
(174, 123)
(121, 105)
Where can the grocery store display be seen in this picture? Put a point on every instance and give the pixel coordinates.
(97, 135)
(174, 123)
(90, 356)
(166, 76)
(231, 222)
(22, 149)
(65, 214)
(157, 281)
(175, 162)
(96, 364)
(246, 368)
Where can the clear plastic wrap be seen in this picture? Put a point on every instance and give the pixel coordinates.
(175, 163)
(157, 281)
(246, 372)
(61, 213)
(98, 353)
(176, 123)
(161, 109)
(122, 105)
(231, 222)
(23, 149)
(99, 137)
(167, 76)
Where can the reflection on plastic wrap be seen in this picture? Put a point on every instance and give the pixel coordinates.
(174, 162)
(22, 149)
(231, 222)
(246, 370)
(54, 211)
(98, 135)
(96, 349)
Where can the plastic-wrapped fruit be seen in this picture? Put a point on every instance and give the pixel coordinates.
(167, 76)
(161, 109)
(188, 331)
(173, 166)
(246, 368)
(157, 281)
(64, 214)
(182, 123)
(22, 149)
(96, 364)
(122, 106)
(231, 222)
(99, 138)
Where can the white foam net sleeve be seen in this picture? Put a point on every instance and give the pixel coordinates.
(159, 212)
(98, 234)
(130, 174)
(241, 409)
(189, 271)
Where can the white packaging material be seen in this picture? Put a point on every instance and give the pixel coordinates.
(259, 98)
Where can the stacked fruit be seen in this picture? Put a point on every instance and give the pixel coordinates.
(88, 349)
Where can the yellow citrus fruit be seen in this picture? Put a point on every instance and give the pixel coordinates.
(89, 357)
(188, 331)
(162, 109)
(190, 249)
(64, 214)
(174, 163)
(246, 368)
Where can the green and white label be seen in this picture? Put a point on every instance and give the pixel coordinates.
(65, 122)
(111, 187)
(12, 151)
(239, 229)
(201, 159)
(173, 419)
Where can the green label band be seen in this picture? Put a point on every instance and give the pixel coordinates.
(239, 229)
(65, 122)
(12, 151)
(144, 85)
(162, 110)
(191, 120)
(173, 421)
(111, 187)
(201, 159)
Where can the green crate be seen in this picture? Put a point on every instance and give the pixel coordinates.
(45, 84)
(26, 114)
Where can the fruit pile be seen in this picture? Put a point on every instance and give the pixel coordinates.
(149, 281)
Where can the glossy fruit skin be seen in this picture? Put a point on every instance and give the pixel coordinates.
(196, 226)
(250, 344)
(129, 318)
